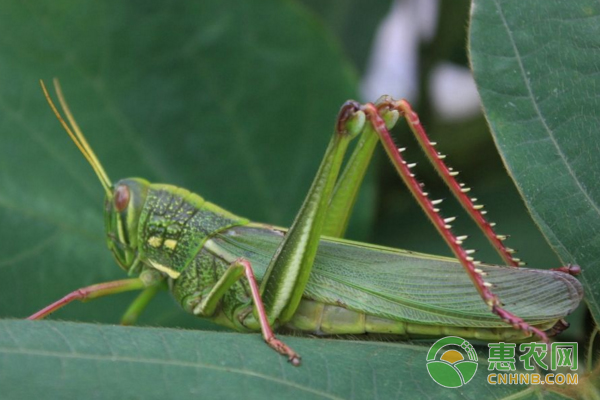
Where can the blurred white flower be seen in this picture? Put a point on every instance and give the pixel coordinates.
(393, 64)
(453, 92)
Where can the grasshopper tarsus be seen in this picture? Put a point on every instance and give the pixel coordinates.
(283, 349)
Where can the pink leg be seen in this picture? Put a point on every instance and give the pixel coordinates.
(443, 225)
(458, 190)
(91, 292)
(267, 332)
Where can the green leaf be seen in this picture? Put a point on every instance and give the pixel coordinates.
(44, 359)
(536, 66)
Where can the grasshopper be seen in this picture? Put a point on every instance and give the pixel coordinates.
(255, 277)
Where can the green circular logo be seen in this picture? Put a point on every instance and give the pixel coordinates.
(448, 366)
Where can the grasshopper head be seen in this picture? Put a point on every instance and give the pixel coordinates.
(122, 210)
(123, 202)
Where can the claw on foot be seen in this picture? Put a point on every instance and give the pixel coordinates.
(285, 350)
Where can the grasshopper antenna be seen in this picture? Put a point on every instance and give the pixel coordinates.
(76, 134)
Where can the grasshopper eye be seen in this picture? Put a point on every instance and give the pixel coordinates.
(121, 198)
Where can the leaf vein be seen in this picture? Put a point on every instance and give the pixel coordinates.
(541, 116)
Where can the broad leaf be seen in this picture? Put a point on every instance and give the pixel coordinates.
(67, 360)
(536, 66)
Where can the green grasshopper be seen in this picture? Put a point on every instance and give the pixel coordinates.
(250, 276)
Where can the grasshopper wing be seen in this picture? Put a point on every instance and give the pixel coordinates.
(407, 286)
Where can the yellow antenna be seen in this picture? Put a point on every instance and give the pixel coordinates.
(77, 137)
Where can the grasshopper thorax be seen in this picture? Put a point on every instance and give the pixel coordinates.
(122, 211)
